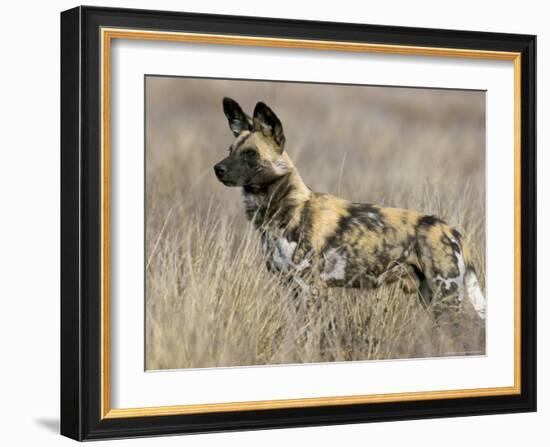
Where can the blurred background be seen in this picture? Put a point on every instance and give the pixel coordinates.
(384, 138)
(403, 147)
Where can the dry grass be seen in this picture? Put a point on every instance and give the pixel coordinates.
(209, 299)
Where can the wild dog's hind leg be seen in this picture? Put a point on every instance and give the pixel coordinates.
(446, 264)
(449, 278)
(442, 263)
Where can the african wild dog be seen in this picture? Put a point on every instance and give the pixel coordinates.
(351, 244)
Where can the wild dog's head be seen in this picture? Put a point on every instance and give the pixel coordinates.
(255, 157)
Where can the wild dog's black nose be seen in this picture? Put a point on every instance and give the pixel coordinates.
(219, 169)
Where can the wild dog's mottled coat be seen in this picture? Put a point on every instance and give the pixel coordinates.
(350, 244)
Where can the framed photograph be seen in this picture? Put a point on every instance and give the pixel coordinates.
(276, 223)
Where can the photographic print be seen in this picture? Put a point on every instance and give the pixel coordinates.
(290, 222)
(273, 223)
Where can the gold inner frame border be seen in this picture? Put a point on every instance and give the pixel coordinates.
(107, 35)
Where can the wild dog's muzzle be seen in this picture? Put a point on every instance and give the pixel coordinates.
(220, 170)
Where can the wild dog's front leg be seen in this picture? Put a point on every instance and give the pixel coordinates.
(294, 261)
(300, 266)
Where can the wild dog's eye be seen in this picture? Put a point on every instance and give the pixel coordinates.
(249, 154)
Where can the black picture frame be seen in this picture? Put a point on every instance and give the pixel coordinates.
(81, 223)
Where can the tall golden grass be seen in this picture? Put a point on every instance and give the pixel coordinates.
(209, 298)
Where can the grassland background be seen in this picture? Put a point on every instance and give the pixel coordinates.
(209, 299)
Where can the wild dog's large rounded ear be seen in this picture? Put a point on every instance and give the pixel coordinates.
(238, 120)
(267, 122)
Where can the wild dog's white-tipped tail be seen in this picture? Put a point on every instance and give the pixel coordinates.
(475, 295)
